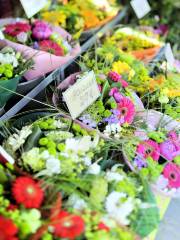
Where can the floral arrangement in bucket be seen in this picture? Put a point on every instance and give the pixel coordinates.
(156, 154)
(96, 201)
(12, 67)
(115, 108)
(144, 46)
(37, 40)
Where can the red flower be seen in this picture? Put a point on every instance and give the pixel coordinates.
(27, 192)
(11, 207)
(67, 225)
(16, 28)
(51, 47)
(102, 226)
(8, 229)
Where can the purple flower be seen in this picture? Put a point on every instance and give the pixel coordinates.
(36, 45)
(41, 30)
(113, 118)
(162, 29)
(113, 91)
(139, 162)
(118, 97)
(86, 119)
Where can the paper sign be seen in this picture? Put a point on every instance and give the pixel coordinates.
(169, 55)
(5, 157)
(141, 7)
(82, 94)
(31, 7)
(1, 35)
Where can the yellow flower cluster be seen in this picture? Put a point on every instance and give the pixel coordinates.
(55, 17)
(123, 68)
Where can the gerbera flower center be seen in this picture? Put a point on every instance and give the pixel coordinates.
(123, 111)
(30, 190)
(173, 176)
(67, 223)
(148, 151)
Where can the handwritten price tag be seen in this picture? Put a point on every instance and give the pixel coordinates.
(82, 94)
(5, 157)
(169, 54)
(31, 7)
(141, 7)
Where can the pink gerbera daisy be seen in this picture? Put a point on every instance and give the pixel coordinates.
(126, 110)
(149, 148)
(16, 28)
(51, 47)
(172, 173)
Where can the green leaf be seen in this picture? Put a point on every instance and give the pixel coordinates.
(7, 87)
(105, 90)
(147, 219)
(33, 139)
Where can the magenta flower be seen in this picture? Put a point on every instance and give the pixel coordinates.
(41, 30)
(172, 173)
(100, 87)
(113, 91)
(124, 83)
(149, 148)
(126, 110)
(114, 76)
(118, 97)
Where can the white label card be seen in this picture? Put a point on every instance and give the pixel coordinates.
(31, 7)
(82, 94)
(4, 156)
(169, 55)
(141, 7)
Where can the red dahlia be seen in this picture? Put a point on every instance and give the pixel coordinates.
(51, 47)
(28, 192)
(16, 28)
(8, 229)
(67, 225)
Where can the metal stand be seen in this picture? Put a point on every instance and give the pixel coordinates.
(58, 74)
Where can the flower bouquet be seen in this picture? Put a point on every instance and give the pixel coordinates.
(73, 191)
(116, 106)
(78, 16)
(12, 67)
(157, 152)
(141, 45)
(41, 42)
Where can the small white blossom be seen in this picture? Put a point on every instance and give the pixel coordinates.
(83, 144)
(18, 139)
(76, 202)
(22, 37)
(162, 182)
(119, 210)
(94, 169)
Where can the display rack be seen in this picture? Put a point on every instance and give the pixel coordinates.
(58, 74)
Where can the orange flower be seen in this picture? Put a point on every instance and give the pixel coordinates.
(157, 82)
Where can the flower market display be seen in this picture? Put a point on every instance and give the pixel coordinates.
(77, 16)
(87, 198)
(89, 120)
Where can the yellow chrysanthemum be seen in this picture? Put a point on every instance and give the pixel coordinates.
(55, 17)
(122, 68)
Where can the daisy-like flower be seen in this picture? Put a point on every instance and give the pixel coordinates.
(68, 226)
(126, 110)
(51, 47)
(149, 148)
(16, 28)
(172, 173)
(8, 229)
(27, 192)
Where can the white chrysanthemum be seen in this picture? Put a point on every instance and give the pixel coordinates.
(113, 128)
(18, 139)
(76, 202)
(94, 169)
(8, 58)
(113, 176)
(119, 210)
(83, 144)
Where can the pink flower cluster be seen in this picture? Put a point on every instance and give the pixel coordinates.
(114, 76)
(41, 30)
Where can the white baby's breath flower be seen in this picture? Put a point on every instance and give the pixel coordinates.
(117, 209)
(94, 169)
(76, 202)
(18, 139)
